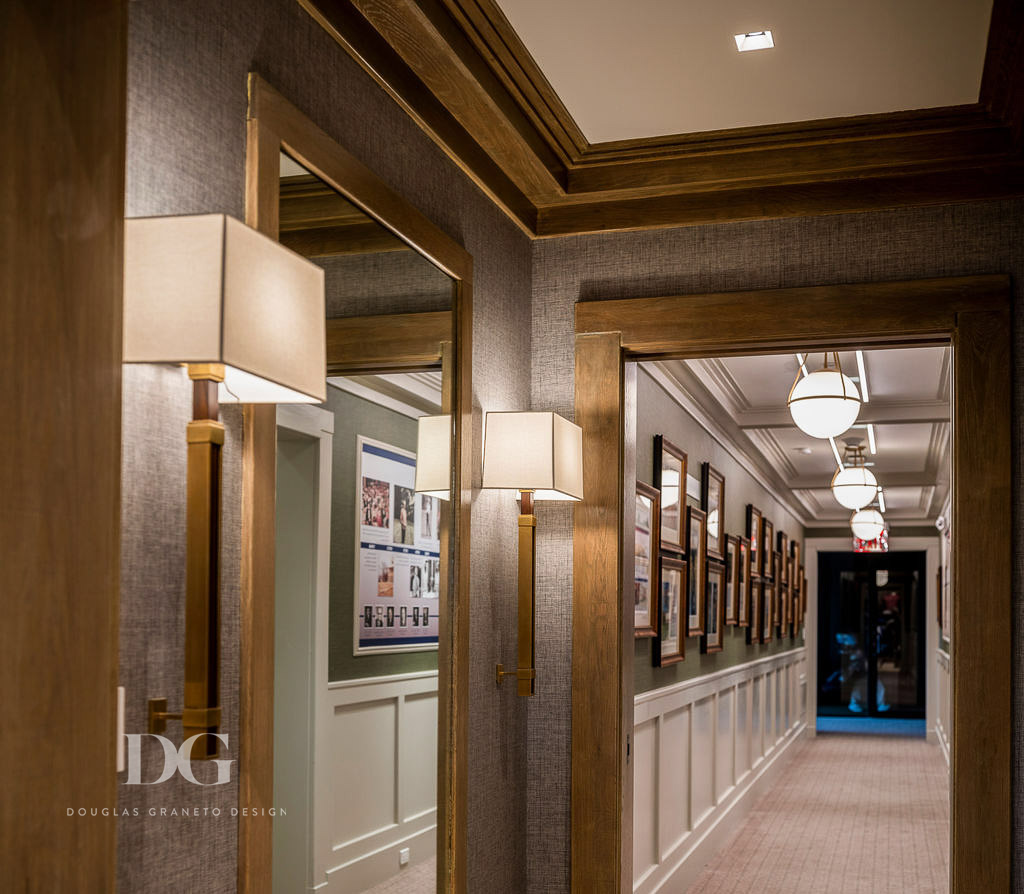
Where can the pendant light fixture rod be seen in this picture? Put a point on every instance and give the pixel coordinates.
(881, 500)
(871, 439)
(803, 367)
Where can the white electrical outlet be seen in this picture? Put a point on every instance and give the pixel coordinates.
(403, 857)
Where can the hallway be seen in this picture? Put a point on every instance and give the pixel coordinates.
(848, 814)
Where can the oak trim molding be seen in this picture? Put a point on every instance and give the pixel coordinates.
(461, 72)
(412, 342)
(970, 313)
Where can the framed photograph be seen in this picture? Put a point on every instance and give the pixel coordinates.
(756, 612)
(670, 646)
(783, 543)
(670, 479)
(645, 559)
(788, 560)
(785, 611)
(743, 582)
(714, 633)
(732, 578)
(782, 563)
(697, 559)
(776, 593)
(712, 501)
(754, 537)
(768, 607)
(794, 549)
(767, 547)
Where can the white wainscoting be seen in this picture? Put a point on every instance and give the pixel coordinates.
(703, 750)
(380, 778)
(943, 718)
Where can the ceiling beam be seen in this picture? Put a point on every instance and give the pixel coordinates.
(890, 479)
(875, 411)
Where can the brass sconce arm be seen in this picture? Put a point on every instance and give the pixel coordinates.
(525, 673)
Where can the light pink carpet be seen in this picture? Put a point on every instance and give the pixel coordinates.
(849, 814)
(418, 879)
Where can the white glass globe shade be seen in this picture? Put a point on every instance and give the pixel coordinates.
(867, 524)
(854, 487)
(825, 403)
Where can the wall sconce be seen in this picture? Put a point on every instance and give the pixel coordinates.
(541, 456)
(246, 315)
(434, 456)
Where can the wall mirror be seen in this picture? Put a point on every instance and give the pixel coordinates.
(361, 638)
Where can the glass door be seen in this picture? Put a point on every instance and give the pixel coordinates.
(871, 634)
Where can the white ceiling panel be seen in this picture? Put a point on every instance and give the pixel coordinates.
(638, 68)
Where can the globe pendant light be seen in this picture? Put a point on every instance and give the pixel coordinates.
(867, 524)
(825, 403)
(854, 486)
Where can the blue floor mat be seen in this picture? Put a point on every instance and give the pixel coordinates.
(872, 726)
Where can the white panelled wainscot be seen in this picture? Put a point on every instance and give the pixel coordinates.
(704, 750)
(381, 774)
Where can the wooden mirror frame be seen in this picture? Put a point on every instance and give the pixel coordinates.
(970, 313)
(414, 341)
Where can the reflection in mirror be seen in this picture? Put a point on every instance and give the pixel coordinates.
(362, 564)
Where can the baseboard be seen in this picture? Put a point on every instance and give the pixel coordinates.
(725, 822)
(371, 869)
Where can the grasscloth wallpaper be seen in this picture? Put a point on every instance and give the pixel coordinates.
(188, 63)
(906, 244)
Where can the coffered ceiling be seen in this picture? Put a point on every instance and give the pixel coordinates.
(908, 405)
(647, 68)
(598, 115)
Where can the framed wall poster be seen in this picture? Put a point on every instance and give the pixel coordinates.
(743, 582)
(788, 560)
(645, 560)
(794, 549)
(670, 645)
(398, 554)
(785, 611)
(783, 545)
(756, 612)
(670, 479)
(767, 547)
(767, 603)
(754, 537)
(782, 561)
(776, 592)
(696, 539)
(712, 639)
(712, 501)
(732, 578)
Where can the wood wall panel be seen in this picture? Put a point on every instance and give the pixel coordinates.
(62, 88)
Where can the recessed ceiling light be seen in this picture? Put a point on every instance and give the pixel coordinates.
(806, 451)
(754, 40)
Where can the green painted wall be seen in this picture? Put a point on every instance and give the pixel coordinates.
(354, 416)
(658, 413)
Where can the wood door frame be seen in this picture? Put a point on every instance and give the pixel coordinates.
(970, 313)
(274, 125)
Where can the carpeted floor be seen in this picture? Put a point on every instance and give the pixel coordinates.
(848, 814)
(418, 879)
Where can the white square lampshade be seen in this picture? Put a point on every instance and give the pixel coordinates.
(208, 289)
(434, 456)
(541, 452)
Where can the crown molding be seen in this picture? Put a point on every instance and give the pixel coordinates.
(682, 385)
(461, 72)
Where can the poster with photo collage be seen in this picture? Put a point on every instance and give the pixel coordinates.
(398, 553)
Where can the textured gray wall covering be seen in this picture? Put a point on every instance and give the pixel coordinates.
(658, 413)
(401, 281)
(188, 62)
(905, 244)
(354, 416)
